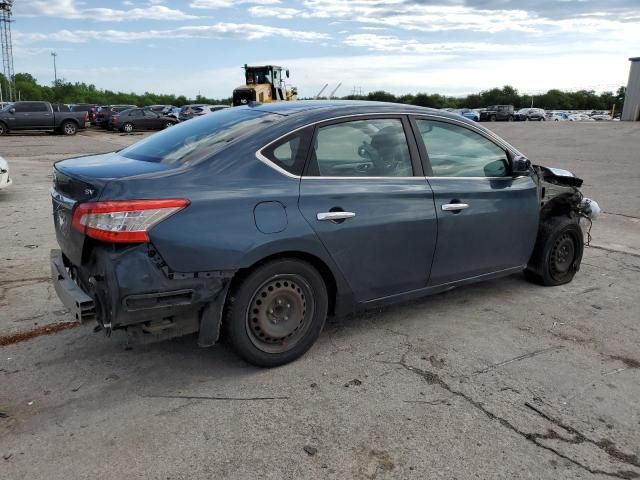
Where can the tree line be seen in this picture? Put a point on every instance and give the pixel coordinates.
(552, 100)
(79, 92)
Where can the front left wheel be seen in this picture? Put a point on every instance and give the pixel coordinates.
(277, 312)
(557, 253)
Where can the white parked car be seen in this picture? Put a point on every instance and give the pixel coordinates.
(580, 117)
(5, 179)
(560, 117)
(600, 117)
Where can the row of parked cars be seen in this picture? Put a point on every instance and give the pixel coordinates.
(68, 119)
(496, 113)
(128, 118)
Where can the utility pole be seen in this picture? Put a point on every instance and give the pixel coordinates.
(55, 71)
(7, 47)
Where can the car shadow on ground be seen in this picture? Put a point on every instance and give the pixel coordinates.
(183, 355)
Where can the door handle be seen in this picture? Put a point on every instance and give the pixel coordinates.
(333, 216)
(454, 207)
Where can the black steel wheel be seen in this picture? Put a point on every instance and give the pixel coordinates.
(558, 252)
(562, 256)
(278, 317)
(276, 312)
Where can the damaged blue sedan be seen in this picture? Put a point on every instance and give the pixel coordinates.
(257, 222)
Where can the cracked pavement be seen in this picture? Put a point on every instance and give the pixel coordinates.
(499, 380)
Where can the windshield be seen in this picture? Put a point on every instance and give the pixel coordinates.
(198, 139)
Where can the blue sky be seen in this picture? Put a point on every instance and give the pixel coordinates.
(402, 46)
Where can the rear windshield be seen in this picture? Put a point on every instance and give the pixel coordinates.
(198, 139)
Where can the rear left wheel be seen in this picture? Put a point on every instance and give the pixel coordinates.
(277, 312)
(69, 128)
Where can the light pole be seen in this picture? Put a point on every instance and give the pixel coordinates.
(55, 72)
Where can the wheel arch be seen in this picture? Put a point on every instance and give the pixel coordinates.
(320, 265)
(561, 205)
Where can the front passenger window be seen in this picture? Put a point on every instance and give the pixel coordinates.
(456, 151)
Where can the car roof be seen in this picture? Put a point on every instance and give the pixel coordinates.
(343, 107)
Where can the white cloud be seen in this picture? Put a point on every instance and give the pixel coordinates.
(458, 18)
(279, 12)
(219, 30)
(70, 9)
(389, 43)
(213, 4)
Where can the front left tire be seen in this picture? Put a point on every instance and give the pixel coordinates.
(557, 253)
(277, 312)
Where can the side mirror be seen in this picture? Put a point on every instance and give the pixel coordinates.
(12, 110)
(520, 165)
(287, 73)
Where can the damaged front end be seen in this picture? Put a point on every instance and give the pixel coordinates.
(559, 194)
(129, 288)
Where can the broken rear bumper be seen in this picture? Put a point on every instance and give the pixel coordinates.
(80, 305)
(131, 289)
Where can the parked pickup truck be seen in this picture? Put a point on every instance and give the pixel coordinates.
(40, 116)
(497, 113)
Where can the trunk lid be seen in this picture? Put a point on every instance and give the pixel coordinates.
(80, 180)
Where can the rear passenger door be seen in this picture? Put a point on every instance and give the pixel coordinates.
(487, 219)
(364, 194)
(149, 120)
(41, 115)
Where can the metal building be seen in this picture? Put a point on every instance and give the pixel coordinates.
(631, 109)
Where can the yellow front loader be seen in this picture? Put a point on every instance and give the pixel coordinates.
(264, 84)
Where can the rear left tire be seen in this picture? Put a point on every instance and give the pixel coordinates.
(69, 128)
(277, 312)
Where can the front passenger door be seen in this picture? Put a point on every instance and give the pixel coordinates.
(487, 220)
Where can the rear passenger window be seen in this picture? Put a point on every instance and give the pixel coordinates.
(290, 153)
(361, 148)
(39, 107)
(456, 151)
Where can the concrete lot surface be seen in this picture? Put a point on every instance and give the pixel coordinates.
(499, 380)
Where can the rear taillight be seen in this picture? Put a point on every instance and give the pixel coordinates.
(124, 221)
(115, 119)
